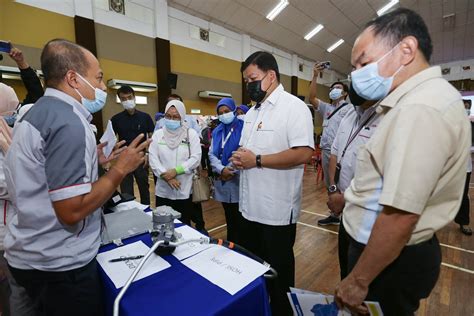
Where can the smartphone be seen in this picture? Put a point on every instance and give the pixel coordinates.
(5, 46)
(326, 64)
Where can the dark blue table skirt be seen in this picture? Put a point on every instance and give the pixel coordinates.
(180, 291)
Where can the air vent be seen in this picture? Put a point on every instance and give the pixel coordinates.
(117, 6)
(204, 35)
(449, 22)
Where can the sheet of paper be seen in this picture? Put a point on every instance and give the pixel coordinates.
(306, 303)
(119, 272)
(109, 137)
(225, 268)
(126, 206)
(188, 250)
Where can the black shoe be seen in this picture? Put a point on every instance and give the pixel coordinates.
(330, 220)
(466, 230)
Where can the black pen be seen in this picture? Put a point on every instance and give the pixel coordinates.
(126, 258)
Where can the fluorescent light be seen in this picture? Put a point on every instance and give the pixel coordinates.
(277, 9)
(387, 7)
(315, 31)
(335, 45)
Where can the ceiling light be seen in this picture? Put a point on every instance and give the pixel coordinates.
(277, 9)
(335, 45)
(314, 32)
(387, 7)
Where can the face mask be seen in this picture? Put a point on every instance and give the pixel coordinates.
(128, 104)
(255, 92)
(335, 93)
(356, 99)
(172, 125)
(10, 119)
(369, 84)
(93, 105)
(227, 118)
(241, 117)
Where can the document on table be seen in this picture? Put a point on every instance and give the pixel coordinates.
(225, 268)
(109, 137)
(119, 272)
(306, 303)
(188, 250)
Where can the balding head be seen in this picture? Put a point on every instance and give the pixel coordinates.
(58, 57)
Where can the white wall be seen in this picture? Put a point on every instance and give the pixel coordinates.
(153, 18)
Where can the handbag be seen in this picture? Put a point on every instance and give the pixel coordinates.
(201, 185)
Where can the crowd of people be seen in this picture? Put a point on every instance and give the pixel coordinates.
(395, 145)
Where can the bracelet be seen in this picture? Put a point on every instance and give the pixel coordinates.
(259, 161)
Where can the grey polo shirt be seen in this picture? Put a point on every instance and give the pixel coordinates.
(349, 129)
(53, 157)
(330, 126)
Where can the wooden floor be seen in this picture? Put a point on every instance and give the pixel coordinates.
(317, 266)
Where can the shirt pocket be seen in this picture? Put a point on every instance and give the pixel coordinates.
(366, 177)
(366, 132)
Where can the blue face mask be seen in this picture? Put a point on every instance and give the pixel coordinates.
(369, 84)
(10, 119)
(227, 118)
(335, 94)
(172, 125)
(93, 105)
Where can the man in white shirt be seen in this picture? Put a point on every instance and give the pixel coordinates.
(277, 139)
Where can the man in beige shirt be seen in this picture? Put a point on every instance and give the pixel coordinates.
(409, 176)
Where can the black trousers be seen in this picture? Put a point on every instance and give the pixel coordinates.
(233, 219)
(274, 244)
(343, 249)
(410, 278)
(197, 217)
(185, 207)
(141, 176)
(462, 217)
(74, 292)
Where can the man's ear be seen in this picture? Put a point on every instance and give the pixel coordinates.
(409, 47)
(72, 79)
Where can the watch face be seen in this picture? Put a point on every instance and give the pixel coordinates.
(332, 189)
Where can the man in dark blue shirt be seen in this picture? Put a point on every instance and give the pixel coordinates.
(128, 124)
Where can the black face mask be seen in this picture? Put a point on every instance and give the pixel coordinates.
(255, 92)
(355, 98)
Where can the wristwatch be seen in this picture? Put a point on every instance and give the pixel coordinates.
(258, 159)
(333, 189)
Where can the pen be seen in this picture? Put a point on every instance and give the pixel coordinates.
(126, 258)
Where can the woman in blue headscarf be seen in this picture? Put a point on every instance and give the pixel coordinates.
(225, 140)
(241, 111)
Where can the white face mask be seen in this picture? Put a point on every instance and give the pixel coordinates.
(335, 94)
(128, 104)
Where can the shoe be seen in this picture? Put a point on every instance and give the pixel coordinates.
(330, 220)
(466, 230)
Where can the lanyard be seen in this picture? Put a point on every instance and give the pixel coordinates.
(353, 136)
(224, 141)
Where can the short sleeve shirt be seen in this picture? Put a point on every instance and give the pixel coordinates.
(271, 196)
(128, 127)
(53, 156)
(415, 161)
(331, 125)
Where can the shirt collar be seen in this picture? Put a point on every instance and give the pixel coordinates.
(394, 97)
(274, 96)
(51, 92)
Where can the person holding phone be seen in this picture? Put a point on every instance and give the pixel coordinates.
(225, 140)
